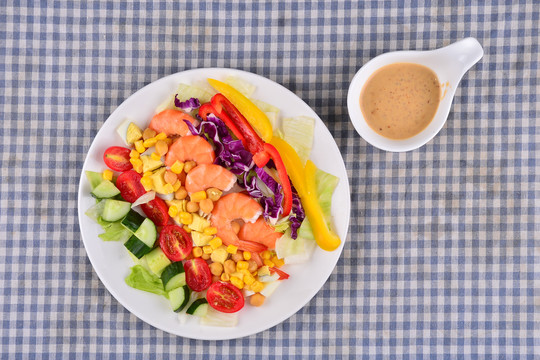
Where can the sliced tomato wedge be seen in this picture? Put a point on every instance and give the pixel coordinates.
(225, 297)
(129, 184)
(117, 158)
(157, 211)
(198, 276)
(282, 274)
(175, 242)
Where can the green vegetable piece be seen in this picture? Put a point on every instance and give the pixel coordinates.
(142, 279)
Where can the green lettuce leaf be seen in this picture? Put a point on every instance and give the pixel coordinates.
(142, 279)
(115, 232)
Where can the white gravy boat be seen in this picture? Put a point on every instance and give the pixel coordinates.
(449, 63)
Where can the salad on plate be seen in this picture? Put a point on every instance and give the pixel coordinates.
(214, 199)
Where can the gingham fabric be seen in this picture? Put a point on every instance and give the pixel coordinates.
(442, 256)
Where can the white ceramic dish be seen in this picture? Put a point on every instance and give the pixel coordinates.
(112, 262)
(449, 63)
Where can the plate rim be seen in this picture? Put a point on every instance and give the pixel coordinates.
(115, 293)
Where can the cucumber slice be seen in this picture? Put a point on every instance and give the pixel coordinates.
(147, 233)
(173, 276)
(94, 178)
(198, 308)
(179, 298)
(137, 247)
(115, 210)
(106, 189)
(157, 261)
(133, 220)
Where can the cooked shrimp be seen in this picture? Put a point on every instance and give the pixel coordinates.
(231, 207)
(190, 148)
(205, 176)
(171, 122)
(260, 232)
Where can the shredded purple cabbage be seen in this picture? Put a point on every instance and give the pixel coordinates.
(188, 105)
(231, 154)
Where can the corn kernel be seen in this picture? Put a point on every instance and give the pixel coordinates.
(135, 161)
(257, 286)
(173, 211)
(176, 185)
(169, 189)
(155, 156)
(247, 255)
(186, 228)
(148, 173)
(177, 167)
(207, 249)
(134, 154)
(139, 146)
(268, 263)
(198, 196)
(146, 181)
(266, 255)
(242, 265)
(231, 249)
(161, 136)
(248, 279)
(211, 230)
(138, 168)
(215, 242)
(237, 282)
(150, 142)
(263, 270)
(278, 262)
(185, 218)
(197, 251)
(225, 277)
(107, 174)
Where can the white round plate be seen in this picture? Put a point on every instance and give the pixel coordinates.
(112, 262)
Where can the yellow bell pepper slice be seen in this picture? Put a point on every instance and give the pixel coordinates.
(251, 112)
(303, 179)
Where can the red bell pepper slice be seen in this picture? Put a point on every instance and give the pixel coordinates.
(282, 274)
(261, 151)
(283, 177)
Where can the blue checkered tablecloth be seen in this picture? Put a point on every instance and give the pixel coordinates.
(443, 252)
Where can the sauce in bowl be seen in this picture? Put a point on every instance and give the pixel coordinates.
(400, 100)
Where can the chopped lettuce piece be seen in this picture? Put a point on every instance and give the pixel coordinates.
(186, 92)
(294, 251)
(218, 318)
(142, 279)
(298, 132)
(95, 211)
(115, 232)
(241, 85)
(168, 103)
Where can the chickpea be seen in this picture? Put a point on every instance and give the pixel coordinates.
(256, 299)
(237, 257)
(206, 206)
(161, 147)
(205, 256)
(213, 193)
(252, 266)
(229, 266)
(235, 227)
(170, 177)
(181, 193)
(189, 165)
(148, 133)
(216, 269)
(192, 206)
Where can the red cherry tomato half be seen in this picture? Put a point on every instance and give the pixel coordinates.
(198, 276)
(175, 242)
(157, 211)
(117, 158)
(129, 184)
(225, 297)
